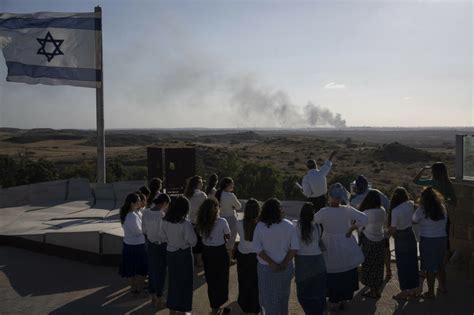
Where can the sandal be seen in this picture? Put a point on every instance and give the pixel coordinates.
(402, 297)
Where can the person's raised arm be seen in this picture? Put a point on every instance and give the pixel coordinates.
(417, 179)
(332, 155)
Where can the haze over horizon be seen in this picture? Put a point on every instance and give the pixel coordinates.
(275, 64)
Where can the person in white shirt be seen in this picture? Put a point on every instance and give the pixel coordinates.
(310, 268)
(178, 233)
(196, 197)
(229, 203)
(247, 259)
(315, 184)
(342, 255)
(275, 241)
(214, 231)
(371, 239)
(431, 216)
(406, 251)
(360, 188)
(134, 260)
(152, 220)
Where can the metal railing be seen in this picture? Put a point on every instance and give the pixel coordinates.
(465, 157)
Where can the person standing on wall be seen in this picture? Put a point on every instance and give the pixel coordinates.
(315, 184)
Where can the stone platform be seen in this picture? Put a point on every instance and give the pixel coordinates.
(65, 215)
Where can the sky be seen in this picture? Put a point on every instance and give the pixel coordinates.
(278, 64)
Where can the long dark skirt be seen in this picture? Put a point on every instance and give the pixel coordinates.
(180, 280)
(216, 269)
(342, 285)
(248, 282)
(372, 267)
(432, 252)
(310, 278)
(274, 289)
(406, 258)
(134, 261)
(156, 267)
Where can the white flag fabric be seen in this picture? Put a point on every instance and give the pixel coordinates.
(51, 48)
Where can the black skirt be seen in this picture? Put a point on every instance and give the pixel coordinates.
(248, 282)
(216, 269)
(341, 285)
(180, 283)
(406, 258)
(373, 265)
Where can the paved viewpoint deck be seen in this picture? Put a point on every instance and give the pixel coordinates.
(75, 215)
(32, 283)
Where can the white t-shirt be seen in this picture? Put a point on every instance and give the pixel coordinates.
(151, 225)
(402, 215)
(275, 240)
(178, 235)
(428, 227)
(374, 230)
(245, 247)
(216, 238)
(312, 248)
(132, 229)
(194, 203)
(229, 203)
(314, 182)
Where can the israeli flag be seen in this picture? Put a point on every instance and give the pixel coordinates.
(51, 48)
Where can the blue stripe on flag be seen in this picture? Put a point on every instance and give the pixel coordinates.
(79, 74)
(72, 23)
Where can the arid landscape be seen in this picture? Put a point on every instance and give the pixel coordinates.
(387, 156)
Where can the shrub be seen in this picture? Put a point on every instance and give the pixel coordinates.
(259, 181)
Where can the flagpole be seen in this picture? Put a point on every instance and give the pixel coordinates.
(101, 178)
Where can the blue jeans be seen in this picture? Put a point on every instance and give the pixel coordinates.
(156, 267)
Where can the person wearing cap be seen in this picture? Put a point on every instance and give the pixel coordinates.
(315, 184)
(361, 189)
(342, 255)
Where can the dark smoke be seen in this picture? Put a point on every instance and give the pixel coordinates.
(260, 106)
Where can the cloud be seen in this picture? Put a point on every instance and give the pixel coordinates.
(334, 85)
(408, 98)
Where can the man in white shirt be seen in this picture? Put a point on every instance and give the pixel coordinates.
(315, 184)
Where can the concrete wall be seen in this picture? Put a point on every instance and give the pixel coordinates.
(462, 218)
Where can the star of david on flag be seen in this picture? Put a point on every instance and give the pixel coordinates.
(51, 48)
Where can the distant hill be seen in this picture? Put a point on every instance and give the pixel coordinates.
(397, 152)
(44, 134)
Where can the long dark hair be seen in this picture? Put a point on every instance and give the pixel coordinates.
(306, 222)
(439, 172)
(206, 216)
(399, 196)
(433, 204)
(155, 186)
(371, 201)
(178, 210)
(192, 186)
(213, 180)
(144, 190)
(226, 181)
(251, 214)
(271, 212)
(127, 205)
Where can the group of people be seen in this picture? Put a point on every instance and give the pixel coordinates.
(338, 240)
